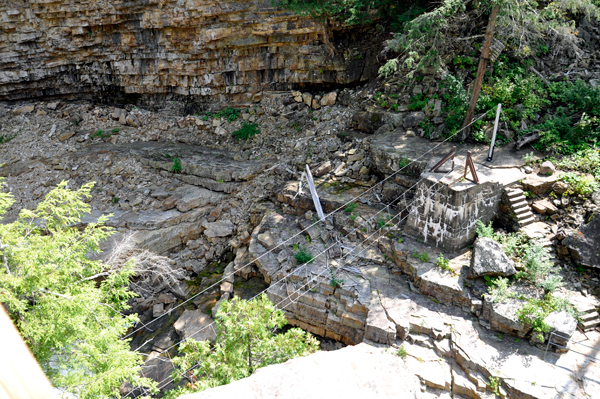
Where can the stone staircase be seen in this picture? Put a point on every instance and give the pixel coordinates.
(590, 319)
(519, 206)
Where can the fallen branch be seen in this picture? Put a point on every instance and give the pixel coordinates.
(546, 81)
(530, 138)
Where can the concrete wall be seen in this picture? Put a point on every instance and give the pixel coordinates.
(447, 216)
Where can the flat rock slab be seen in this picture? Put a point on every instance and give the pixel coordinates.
(216, 170)
(355, 371)
(540, 184)
(196, 325)
(389, 148)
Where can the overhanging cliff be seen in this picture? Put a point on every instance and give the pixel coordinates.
(206, 50)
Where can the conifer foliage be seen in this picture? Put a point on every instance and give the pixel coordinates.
(67, 307)
(246, 341)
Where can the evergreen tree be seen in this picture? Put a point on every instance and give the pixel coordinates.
(67, 307)
(246, 341)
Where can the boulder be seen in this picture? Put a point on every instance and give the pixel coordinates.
(584, 243)
(547, 168)
(490, 260)
(544, 207)
(307, 98)
(329, 99)
(65, 136)
(195, 324)
(367, 122)
(413, 119)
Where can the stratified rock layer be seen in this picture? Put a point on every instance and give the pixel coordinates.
(224, 51)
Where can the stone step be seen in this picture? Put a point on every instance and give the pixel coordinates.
(527, 222)
(521, 209)
(524, 215)
(588, 325)
(513, 192)
(520, 204)
(516, 200)
(589, 316)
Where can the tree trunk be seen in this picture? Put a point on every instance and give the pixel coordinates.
(483, 61)
(326, 31)
(250, 366)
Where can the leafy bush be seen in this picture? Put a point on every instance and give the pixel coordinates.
(455, 103)
(351, 207)
(578, 184)
(246, 131)
(5, 138)
(498, 290)
(535, 311)
(585, 161)
(303, 255)
(401, 352)
(423, 257)
(176, 168)
(483, 230)
(444, 263)
(539, 269)
(334, 281)
(417, 102)
(247, 339)
(383, 221)
(229, 113)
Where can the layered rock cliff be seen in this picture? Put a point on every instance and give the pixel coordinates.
(207, 51)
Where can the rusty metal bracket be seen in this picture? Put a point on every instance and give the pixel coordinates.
(450, 155)
(469, 165)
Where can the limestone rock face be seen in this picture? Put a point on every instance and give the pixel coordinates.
(583, 244)
(490, 260)
(216, 51)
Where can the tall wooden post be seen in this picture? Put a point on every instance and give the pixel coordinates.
(483, 61)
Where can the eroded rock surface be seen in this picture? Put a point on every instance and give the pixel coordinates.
(205, 49)
(584, 244)
(490, 260)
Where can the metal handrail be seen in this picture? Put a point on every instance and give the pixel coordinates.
(566, 347)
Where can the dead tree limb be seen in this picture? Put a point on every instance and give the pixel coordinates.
(529, 138)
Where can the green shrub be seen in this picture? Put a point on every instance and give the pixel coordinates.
(444, 263)
(229, 113)
(334, 281)
(401, 352)
(539, 269)
(303, 255)
(176, 168)
(535, 311)
(498, 289)
(5, 138)
(351, 207)
(423, 257)
(417, 102)
(483, 230)
(246, 131)
(579, 185)
(404, 162)
(585, 161)
(99, 133)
